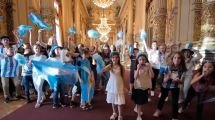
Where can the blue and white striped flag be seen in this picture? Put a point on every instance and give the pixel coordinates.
(49, 69)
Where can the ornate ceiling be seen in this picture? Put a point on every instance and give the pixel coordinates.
(95, 13)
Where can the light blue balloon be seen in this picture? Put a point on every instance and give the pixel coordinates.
(120, 34)
(131, 48)
(143, 35)
(23, 29)
(72, 31)
(189, 45)
(37, 20)
(93, 34)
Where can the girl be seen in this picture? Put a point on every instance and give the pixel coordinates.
(170, 83)
(115, 85)
(58, 88)
(190, 64)
(142, 83)
(153, 55)
(38, 82)
(200, 85)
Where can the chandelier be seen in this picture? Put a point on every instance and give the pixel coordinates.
(103, 3)
(104, 38)
(103, 28)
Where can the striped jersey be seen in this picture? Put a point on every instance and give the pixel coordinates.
(9, 67)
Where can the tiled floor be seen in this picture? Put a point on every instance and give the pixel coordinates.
(7, 108)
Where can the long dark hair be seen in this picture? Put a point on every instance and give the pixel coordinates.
(137, 61)
(212, 75)
(182, 66)
(120, 65)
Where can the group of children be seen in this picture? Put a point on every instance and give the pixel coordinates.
(103, 70)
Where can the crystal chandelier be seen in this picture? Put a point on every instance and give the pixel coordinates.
(104, 38)
(103, 3)
(103, 28)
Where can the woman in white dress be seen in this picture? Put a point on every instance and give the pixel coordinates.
(115, 85)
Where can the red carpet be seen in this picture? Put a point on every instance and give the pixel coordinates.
(102, 111)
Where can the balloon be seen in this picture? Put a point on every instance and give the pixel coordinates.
(37, 20)
(23, 29)
(189, 45)
(143, 35)
(72, 30)
(120, 34)
(131, 48)
(93, 34)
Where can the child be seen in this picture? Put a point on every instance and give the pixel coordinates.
(38, 82)
(132, 68)
(153, 56)
(200, 85)
(9, 70)
(58, 88)
(27, 71)
(190, 62)
(142, 83)
(87, 81)
(170, 83)
(115, 85)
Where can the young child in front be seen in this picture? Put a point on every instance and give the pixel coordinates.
(142, 83)
(200, 84)
(170, 83)
(115, 85)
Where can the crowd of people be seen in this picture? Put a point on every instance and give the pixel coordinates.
(101, 69)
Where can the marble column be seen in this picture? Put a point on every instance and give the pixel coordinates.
(159, 21)
(77, 22)
(197, 8)
(129, 35)
(208, 29)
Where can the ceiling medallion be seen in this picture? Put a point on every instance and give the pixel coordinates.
(103, 3)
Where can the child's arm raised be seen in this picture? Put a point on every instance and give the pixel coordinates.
(196, 78)
(107, 68)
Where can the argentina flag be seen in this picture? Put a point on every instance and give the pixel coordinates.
(49, 69)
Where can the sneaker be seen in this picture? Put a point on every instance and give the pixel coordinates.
(37, 105)
(152, 93)
(55, 106)
(7, 100)
(113, 116)
(120, 118)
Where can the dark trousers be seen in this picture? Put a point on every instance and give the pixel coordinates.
(201, 96)
(154, 79)
(27, 80)
(175, 96)
(58, 89)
